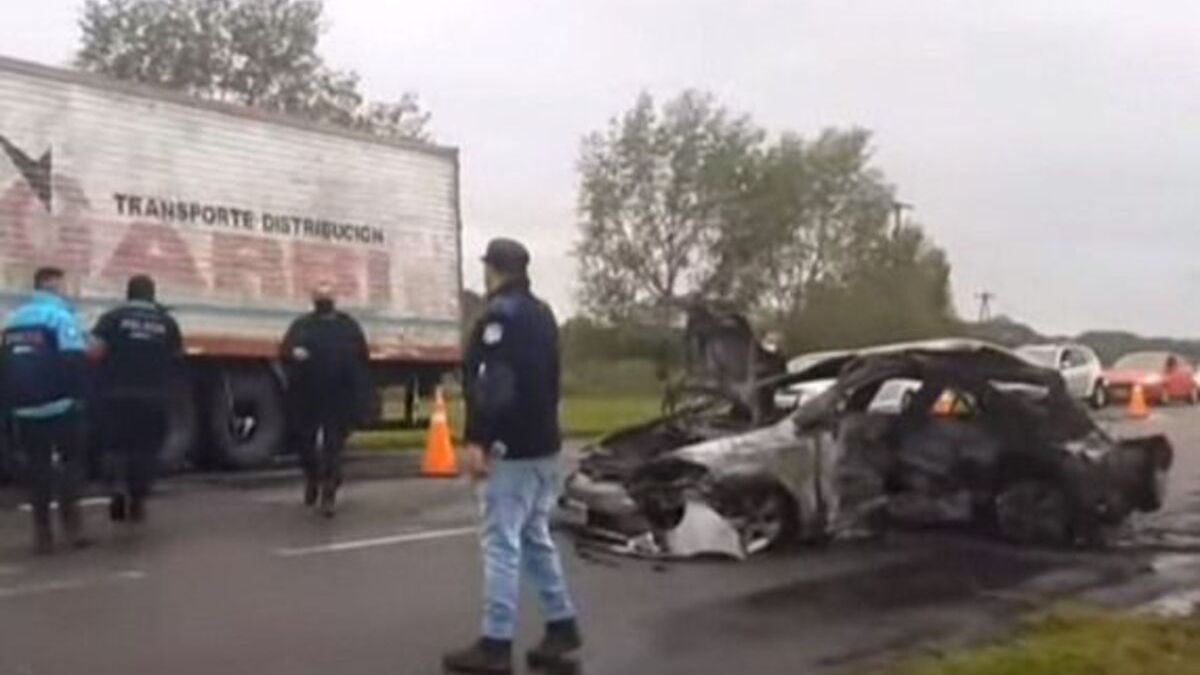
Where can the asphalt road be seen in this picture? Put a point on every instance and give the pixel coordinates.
(231, 580)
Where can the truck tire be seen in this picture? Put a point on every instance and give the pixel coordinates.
(182, 433)
(247, 420)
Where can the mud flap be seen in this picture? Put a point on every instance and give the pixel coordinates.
(703, 531)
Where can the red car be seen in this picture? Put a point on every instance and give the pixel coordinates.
(1164, 377)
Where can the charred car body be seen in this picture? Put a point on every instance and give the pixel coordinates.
(1011, 453)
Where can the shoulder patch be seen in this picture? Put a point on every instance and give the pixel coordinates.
(493, 333)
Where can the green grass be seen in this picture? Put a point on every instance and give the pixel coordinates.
(1079, 642)
(582, 417)
(595, 415)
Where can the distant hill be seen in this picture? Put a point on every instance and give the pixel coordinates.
(1110, 345)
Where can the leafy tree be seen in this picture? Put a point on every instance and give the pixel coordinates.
(259, 53)
(651, 197)
(816, 208)
(897, 290)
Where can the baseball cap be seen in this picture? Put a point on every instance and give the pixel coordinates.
(507, 255)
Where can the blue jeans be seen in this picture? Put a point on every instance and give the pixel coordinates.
(516, 500)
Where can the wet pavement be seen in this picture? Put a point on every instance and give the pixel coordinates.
(235, 577)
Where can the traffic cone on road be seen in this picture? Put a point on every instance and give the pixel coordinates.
(1137, 404)
(438, 460)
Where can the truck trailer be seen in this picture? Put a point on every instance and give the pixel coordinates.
(237, 214)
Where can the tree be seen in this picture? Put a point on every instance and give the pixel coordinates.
(259, 53)
(651, 194)
(897, 290)
(815, 209)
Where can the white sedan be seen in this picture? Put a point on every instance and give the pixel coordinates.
(1080, 368)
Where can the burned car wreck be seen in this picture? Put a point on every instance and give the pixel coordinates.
(948, 433)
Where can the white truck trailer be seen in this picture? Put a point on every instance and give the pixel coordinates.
(237, 214)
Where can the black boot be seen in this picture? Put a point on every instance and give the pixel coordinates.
(311, 491)
(43, 536)
(329, 499)
(117, 508)
(485, 657)
(72, 521)
(137, 510)
(561, 641)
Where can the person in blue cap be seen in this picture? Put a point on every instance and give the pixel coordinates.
(512, 443)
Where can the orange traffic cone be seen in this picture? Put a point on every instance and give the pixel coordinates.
(1137, 404)
(438, 460)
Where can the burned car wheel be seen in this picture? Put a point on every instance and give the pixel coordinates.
(1034, 513)
(763, 514)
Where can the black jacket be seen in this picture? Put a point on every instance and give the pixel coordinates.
(334, 379)
(512, 377)
(143, 351)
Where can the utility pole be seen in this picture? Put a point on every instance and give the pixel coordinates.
(985, 305)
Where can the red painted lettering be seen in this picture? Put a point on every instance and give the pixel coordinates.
(313, 263)
(379, 279)
(157, 250)
(30, 236)
(248, 266)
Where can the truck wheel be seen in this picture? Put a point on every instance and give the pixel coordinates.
(247, 419)
(183, 431)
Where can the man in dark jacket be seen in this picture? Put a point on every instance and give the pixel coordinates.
(512, 447)
(142, 364)
(327, 361)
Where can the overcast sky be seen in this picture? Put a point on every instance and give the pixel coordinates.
(1052, 148)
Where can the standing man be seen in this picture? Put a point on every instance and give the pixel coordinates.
(512, 446)
(143, 361)
(327, 363)
(43, 369)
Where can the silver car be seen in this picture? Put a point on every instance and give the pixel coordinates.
(1079, 366)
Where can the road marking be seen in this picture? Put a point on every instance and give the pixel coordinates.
(394, 540)
(59, 585)
(89, 503)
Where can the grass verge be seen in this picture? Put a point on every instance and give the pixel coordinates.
(581, 417)
(1079, 642)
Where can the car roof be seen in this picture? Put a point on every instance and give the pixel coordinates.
(831, 363)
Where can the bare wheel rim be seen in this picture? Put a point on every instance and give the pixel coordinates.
(763, 519)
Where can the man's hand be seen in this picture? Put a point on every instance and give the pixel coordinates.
(475, 462)
(300, 354)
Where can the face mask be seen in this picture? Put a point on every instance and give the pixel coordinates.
(323, 306)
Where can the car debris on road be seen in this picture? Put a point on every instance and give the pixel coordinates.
(952, 432)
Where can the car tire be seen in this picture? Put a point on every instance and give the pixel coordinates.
(247, 418)
(1099, 398)
(1034, 513)
(765, 516)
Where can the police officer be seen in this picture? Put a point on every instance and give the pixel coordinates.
(42, 370)
(512, 446)
(143, 357)
(327, 362)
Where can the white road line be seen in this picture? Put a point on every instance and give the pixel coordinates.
(68, 584)
(394, 540)
(89, 503)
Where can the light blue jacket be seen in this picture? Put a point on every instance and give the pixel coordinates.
(51, 311)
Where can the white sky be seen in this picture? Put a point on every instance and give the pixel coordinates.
(1050, 147)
